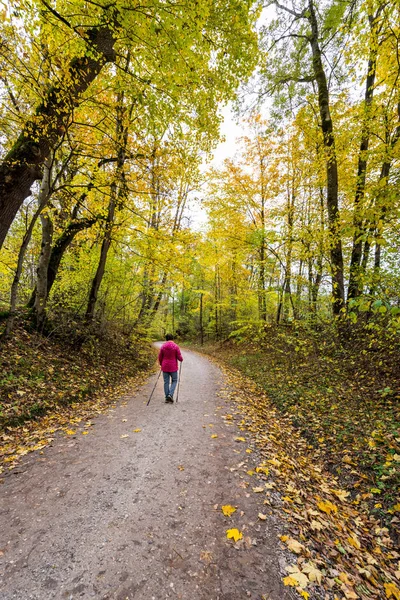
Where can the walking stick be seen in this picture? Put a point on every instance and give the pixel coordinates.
(179, 380)
(151, 395)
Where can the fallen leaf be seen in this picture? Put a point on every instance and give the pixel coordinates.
(234, 534)
(301, 579)
(392, 590)
(214, 435)
(290, 581)
(137, 430)
(258, 490)
(313, 573)
(262, 517)
(293, 545)
(240, 439)
(327, 506)
(228, 510)
(124, 436)
(264, 470)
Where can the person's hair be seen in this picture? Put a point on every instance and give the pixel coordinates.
(169, 337)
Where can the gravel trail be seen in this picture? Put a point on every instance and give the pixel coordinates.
(123, 515)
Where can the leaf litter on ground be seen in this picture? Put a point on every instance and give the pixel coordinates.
(337, 544)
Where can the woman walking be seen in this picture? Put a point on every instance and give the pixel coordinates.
(168, 358)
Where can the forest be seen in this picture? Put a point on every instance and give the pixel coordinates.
(282, 261)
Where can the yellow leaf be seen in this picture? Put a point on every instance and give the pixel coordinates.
(249, 450)
(327, 506)
(353, 541)
(251, 473)
(124, 436)
(214, 435)
(392, 590)
(262, 517)
(295, 573)
(228, 510)
(70, 432)
(289, 581)
(137, 430)
(85, 432)
(234, 534)
(264, 470)
(240, 439)
(396, 507)
(258, 490)
(304, 594)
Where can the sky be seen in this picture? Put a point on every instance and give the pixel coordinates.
(231, 131)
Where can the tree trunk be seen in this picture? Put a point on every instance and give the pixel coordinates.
(58, 250)
(201, 320)
(39, 308)
(375, 228)
(355, 280)
(22, 165)
(105, 246)
(43, 198)
(336, 253)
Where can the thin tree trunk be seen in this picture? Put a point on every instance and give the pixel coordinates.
(201, 320)
(117, 190)
(336, 253)
(39, 307)
(105, 246)
(58, 250)
(355, 280)
(375, 228)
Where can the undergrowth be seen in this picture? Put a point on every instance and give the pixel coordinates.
(343, 396)
(68, 363)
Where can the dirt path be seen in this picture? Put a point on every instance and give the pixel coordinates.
(124, 515)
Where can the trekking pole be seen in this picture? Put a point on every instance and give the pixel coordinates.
(155, 385)
(179, 380)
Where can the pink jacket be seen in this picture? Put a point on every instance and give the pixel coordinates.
(168, 357)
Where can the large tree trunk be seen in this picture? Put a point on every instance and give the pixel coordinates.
(43, 198)
(22, 165)
(336, 253)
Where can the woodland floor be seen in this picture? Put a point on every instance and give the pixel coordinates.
(130, 504)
